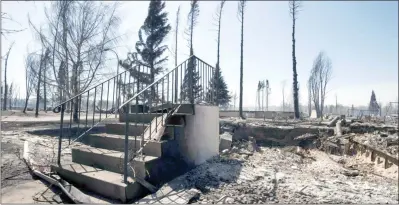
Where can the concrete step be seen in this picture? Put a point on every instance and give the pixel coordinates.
(135, 129)
(112, 160)
(117, 143)
(138, 117)
(106, 183)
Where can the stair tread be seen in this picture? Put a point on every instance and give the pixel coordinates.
(92, 172)
(112, 153)
(118, 136)
(130, 123)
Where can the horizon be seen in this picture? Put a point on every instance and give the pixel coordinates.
(361, 39)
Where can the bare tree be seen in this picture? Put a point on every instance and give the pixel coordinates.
(78, 35)
(309, 98)
(192, 19)
(241, 11)
(234, 97)
(5, 77)
(7, 18)
(320, 76)
(43, 58)
(10, 95)
(177, 32)
(219, 24)
(283, 83)
(294, 9)
(31, 65)
(176, 35)
(13, 95)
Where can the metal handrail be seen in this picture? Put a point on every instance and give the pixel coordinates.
(204, 74)
(152, 84)
(83, 92)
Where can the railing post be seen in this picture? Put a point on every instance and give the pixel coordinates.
(216, 81)
(190, 81)
(61, 133)
(176, 83)
(126, 145)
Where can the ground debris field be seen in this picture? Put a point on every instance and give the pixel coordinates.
(254, 170)
(285, 175)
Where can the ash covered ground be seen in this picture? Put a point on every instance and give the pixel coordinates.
(287, 175)
(242, 174)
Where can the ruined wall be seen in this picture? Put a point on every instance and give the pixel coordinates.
(258, 114)
(271, 134)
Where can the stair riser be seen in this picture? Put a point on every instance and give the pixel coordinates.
(101, 187)
(184, 108)
(119, 129)
(110, 163)
(118, 144)
(155, 171)
(138, 118)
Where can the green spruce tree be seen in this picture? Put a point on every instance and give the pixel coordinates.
(218, 91)
(373, 105)
(150, 47)
(193, 83)
(218, 88)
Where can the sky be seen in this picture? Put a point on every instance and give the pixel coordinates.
(360, 38)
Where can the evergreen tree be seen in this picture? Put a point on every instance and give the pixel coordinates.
(196, 87)
(218, 87)
(192, 64)
(373, 105)
(141, 75)
(150, 46)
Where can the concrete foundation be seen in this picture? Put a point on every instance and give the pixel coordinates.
(200, 139)
(258, 114)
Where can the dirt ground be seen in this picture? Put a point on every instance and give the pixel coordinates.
(16, 129)
(15, 175)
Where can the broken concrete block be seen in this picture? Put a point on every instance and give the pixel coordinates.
(225, 141)
(333, 121)
(252, 146)
(338, 129)
(313, 114)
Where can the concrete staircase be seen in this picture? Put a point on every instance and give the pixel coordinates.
(97, 166)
